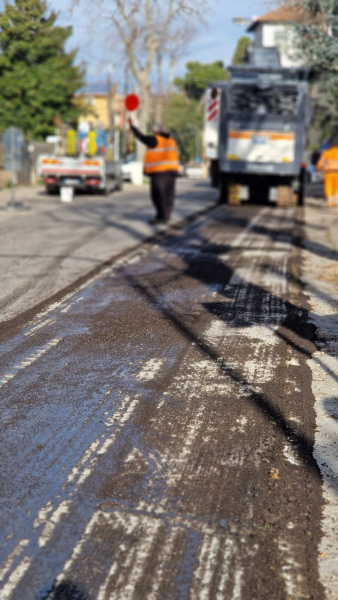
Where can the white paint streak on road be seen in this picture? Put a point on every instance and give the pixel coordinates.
(237, 592)
(8, 563)
(225, 570)
(47, 518)
(291, 572)
(322, 296)
(15, 578)
(241, 240)
(48, 530)
(128, 580)
(76, 552)
(28, 361)
(150, 369)
(40, 326)
(290, 455)
(166, 554)
(208, 562)
(325, 389)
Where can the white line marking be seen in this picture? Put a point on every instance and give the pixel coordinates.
(291, 571)
(15, 578)
(28, 361)
(290, 455)
(150, 369)
(11, 558)
(225, 571)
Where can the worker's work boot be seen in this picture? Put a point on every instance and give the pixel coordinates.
(158, 221)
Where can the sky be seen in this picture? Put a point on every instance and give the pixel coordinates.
(216, 42)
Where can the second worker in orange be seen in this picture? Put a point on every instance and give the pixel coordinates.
(328, 163)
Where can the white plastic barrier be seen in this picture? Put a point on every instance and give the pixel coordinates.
(66, 194)
(136, 173)
(194, 172)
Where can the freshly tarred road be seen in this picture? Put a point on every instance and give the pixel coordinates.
(159, 422)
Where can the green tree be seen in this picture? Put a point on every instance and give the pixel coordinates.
(239, 57)
(316, 27)
(180, 118)
(38, 78)
(199, 76)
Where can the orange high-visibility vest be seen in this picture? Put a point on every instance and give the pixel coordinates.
(162, 158)
(328, 161)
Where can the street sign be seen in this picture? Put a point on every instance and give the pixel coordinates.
(13, 140)
(13, 137)
(132, 102)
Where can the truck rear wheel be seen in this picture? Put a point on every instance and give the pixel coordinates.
(285, 196)
(301, 189)
(223, 190)
(229, 192)
(52, 190)
(214, 174)
(234, 194)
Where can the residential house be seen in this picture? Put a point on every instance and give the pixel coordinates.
(101, 104)
(275, 29)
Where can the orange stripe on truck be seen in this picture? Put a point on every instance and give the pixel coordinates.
(247, 135)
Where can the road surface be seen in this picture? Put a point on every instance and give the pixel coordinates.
(158, 424)
(48, 245)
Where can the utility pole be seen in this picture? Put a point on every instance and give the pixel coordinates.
(125, 124)
(109, 103)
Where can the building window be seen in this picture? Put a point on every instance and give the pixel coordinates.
(281, 41)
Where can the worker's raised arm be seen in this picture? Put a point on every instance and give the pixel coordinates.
(147, 140)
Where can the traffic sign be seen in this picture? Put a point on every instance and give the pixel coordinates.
(13, 138)
(132, 102)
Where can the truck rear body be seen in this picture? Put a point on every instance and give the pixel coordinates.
(262, 131)
(263, 122)
(79, 173)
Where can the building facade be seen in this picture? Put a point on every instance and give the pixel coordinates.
(275, 29)
(106, 109)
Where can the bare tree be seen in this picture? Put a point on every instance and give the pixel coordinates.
(142, 27)
(171, 48)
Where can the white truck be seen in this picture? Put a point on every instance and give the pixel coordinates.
(256, 131)
(211, 131)
(86, 173)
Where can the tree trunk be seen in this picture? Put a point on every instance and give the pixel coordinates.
(144, 112)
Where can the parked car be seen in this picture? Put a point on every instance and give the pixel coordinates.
(127, 165)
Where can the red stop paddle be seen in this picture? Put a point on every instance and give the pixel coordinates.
(132, 102)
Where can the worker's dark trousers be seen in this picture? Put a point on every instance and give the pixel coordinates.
(163, 193)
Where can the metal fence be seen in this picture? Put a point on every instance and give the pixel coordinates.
(30, 153)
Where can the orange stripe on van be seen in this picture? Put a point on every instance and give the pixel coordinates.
(273, 136)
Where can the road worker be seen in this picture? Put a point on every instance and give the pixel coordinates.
(161, 164)
(328, 163)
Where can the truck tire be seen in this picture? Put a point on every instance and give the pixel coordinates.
(285, 195)
(301, 189)
(52, 190)
(214, 174)
(223, 190)
(234, 194)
